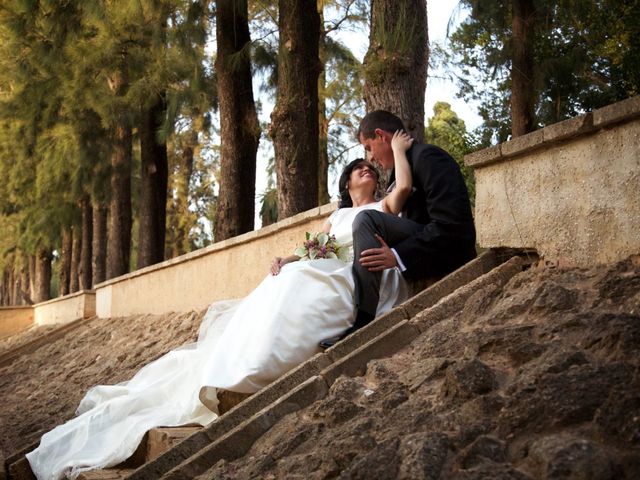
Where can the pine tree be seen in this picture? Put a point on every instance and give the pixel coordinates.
(396, 61)
(239, 128)
(294, 120)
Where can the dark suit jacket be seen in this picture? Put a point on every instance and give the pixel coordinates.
(440, 202)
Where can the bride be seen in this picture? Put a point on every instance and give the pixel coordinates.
(242, 346)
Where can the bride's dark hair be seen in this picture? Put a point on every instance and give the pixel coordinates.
(345, 198)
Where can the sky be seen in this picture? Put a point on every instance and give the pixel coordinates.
(439, 13)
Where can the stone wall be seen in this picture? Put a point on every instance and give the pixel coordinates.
(571, 190)
(15, 319)
(66, 309)
(225, 270)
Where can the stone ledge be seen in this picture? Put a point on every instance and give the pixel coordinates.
(568, 129)
(617, 112)
(230, 420)
(523, 143)
(622, 111)
(381, 346)
(456, 301)
(367, 333)
(285, 224)
(484, 156)
(484, 263)
(237, 442)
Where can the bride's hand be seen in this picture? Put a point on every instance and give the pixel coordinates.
(401, 141)
(276, 265)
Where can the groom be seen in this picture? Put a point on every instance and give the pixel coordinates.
(435, 234)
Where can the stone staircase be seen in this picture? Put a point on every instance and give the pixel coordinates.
(186, 452)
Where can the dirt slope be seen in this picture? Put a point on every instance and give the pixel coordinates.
(42, 389)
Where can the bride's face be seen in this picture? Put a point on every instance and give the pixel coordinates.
(363, 177)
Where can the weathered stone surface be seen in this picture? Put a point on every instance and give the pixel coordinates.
(567, 129)
(541, 383)
(483, 157)
(467, 273)
(522, 144)
(617, 112)
(567, 457)
(385, 344)
(483, 449)
(367, 333)
(465, 380)
(93, 352)
(574, 202)
(237, 441)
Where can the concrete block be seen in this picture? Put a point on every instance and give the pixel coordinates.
(107, 474)
(617, 112)
(230, 420)
(382, 346)
(157, 467)
(21, 470)
(483, 157)
(472, 270)
(523, 144)
(269, 394)
(162, 439)
(568, 129)
(454, 302)
(237, 441)
(365, 334)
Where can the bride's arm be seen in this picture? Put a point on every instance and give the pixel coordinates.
(279, 262)
(393, 202)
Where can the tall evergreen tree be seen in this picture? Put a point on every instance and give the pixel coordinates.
(396, 61)
(294, 120)
(239, 128)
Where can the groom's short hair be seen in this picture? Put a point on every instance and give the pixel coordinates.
(381, 119)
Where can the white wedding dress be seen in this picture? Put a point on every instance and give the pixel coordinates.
(243, 345)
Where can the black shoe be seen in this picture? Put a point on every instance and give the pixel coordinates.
(330, 342)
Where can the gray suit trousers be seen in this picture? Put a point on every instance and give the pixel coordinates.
(392, 229)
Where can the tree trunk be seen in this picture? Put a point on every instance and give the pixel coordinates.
(179, 202)
(32, 277)
(396, 62)
(15, 282)
(239, 128)
(43, 275)
(65, 261)
(152, 212)
(24, 281)
(323, 122)
(4, 287)
(84, 270)
(76, 250)
(99, 245)
(294, 120)
(522, 92)
(119, 237)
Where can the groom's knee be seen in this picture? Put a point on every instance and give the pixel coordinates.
(365, 220)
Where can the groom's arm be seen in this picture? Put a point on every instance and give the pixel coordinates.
(447, 211)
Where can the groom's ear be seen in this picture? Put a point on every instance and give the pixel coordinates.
(381, 133)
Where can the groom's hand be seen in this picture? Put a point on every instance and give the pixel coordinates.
(377, 259)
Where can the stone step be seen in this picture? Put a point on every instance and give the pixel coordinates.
(185, 452)
(107, 474)
(159, 440)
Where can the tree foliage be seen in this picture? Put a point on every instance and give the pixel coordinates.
(586, 55)
(449, 132)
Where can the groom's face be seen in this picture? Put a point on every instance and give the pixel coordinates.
(379, 149)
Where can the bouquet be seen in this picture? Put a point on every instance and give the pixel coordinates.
(321, 245)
